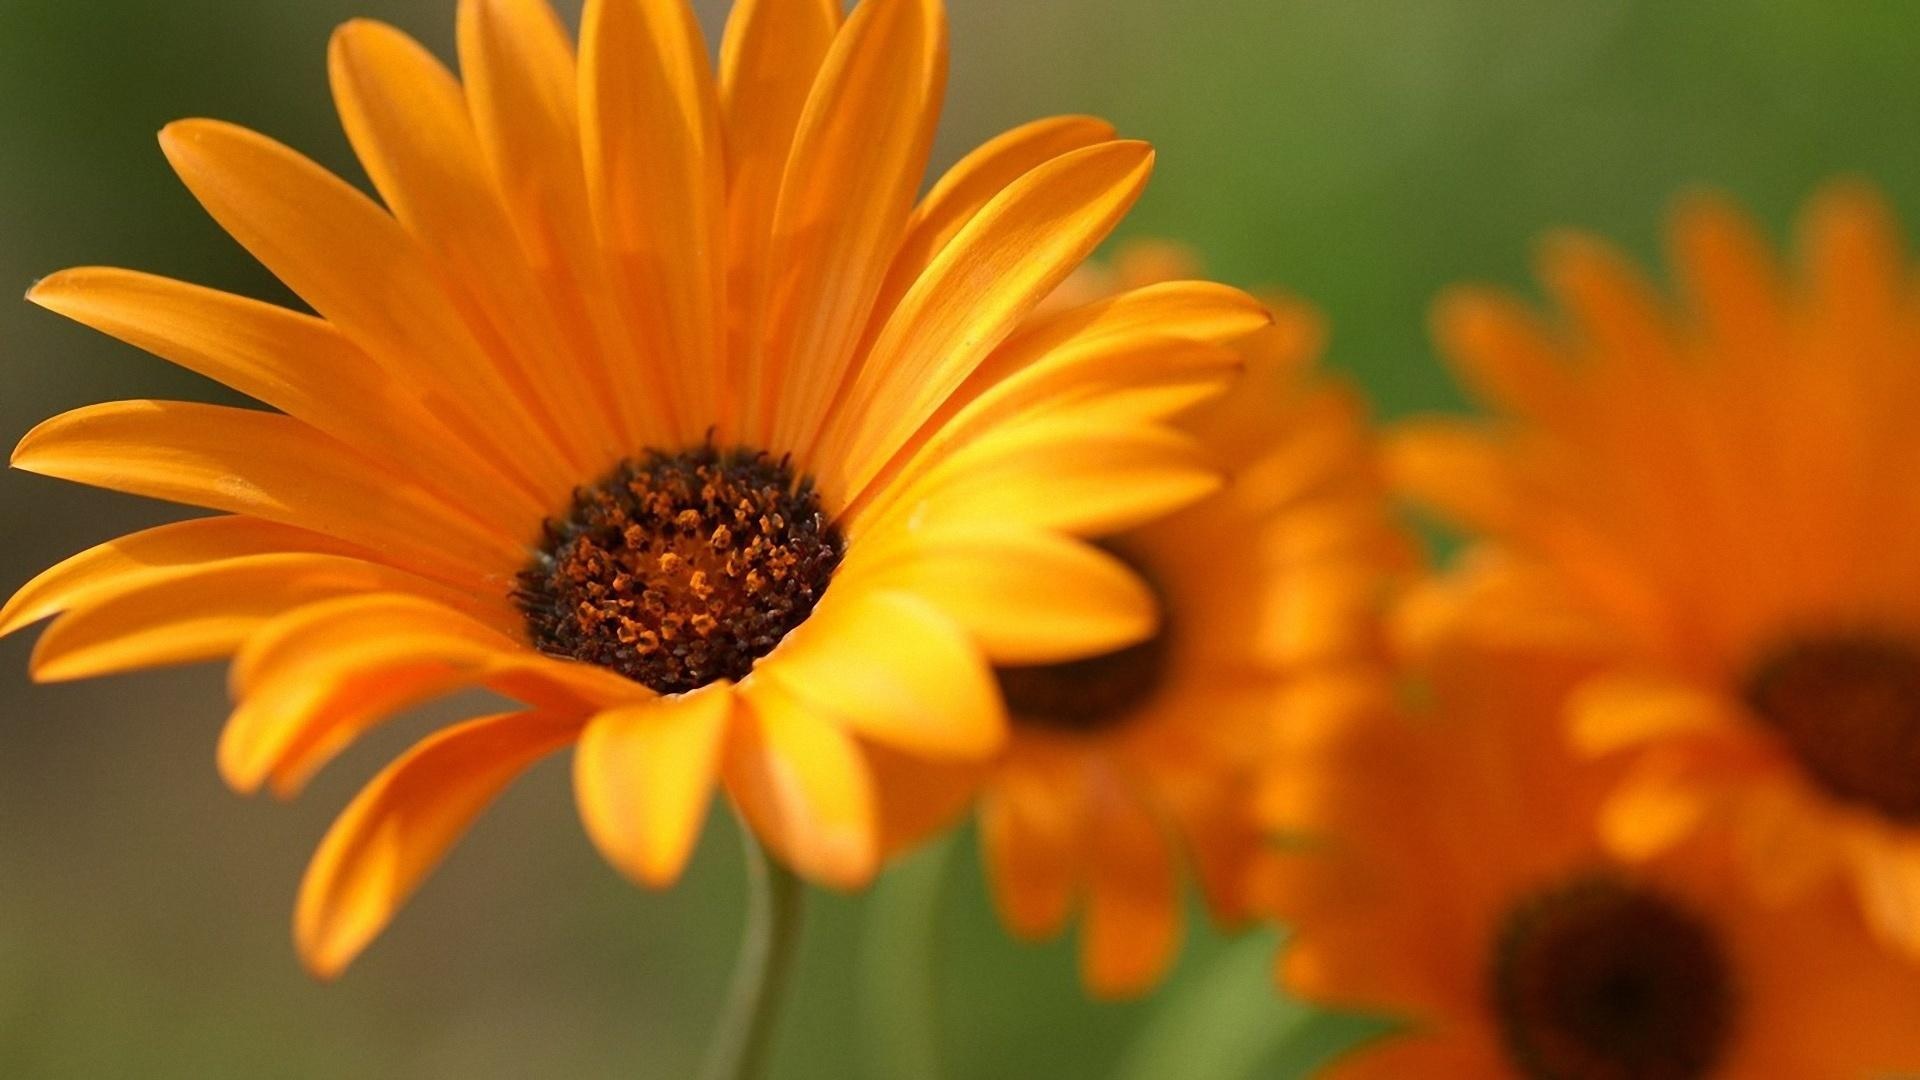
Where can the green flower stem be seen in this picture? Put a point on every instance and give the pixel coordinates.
(899, 963)
(742, 1045)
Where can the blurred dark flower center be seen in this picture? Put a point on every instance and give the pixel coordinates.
(1848, 708)
(1599, 979)
(681, 569)
(1093, 695)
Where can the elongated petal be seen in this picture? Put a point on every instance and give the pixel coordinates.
(1658, 805)
(1199, 311)
(1107, 380)
(523, 89)
(194, 613)
(1890, 898)
(1621, 711)
(971, 184)
(316, 678)
(131, 561)
(363, 273)
(981, 286)
(1025, 597)
(1104, 357)
(1087, 477)
(296, 363)
(644, 777)
(401, 826)
(918, 797)
(769, 62)
(1608, 298)
(804, 788)
(1455, 467)
(408, 121)
(1730, 274)
(657, 183)
(1150, 378)
(1133, 921)
(858, 156)
(1502, 352)
(1030, 831)
(1852, 250)
(266, 466)
(892, 669)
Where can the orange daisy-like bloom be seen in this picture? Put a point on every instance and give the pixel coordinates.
(655, 403)
(1718, 501)
(1448, 872)
(1126, 765)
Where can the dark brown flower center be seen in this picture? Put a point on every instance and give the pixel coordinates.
(1600, 979)
(1848, 707)
(681, 569)
(1090, 696)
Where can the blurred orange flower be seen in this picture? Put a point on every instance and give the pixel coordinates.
(1444, 868)
(653, 401)
(1717, 499)
(1126, 766)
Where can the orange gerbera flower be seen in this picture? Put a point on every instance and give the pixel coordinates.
(654, 403)
(1720, 502)
(1448, 872)
(1127, 764)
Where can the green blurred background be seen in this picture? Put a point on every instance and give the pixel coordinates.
(1361, 153)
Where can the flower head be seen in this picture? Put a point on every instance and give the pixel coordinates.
(1129, 769)
(654, 400)
(1715, 499)
(1442, 865)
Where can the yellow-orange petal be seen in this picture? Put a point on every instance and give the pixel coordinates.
(1132, 927)
(1853, 252)
(523, 91)
(1100, 478)
(1787, 844)
(204, 612)
(1731, 275)
(319, 676)
(1144, 381)
(652, 139)
(979, 288)
(361, 270)
(1656, 806)
(1026, 597)
(1455, 468)
(1615, 712)
(408, 121)
(1150, 378)
(1142, 353)
(804, 788)
(1502, 352)
(973, 182)
(891, 668)
(296, 363)
(270, 467)
(770, 59)
(400, 827)
(1031, 827)
(644, 775)
(1888, 893)
(918, 798)
(1608, 298)
(858, 156)
(1188, 310)
(129, 562)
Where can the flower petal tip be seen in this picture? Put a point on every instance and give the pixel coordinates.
(324, 961)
